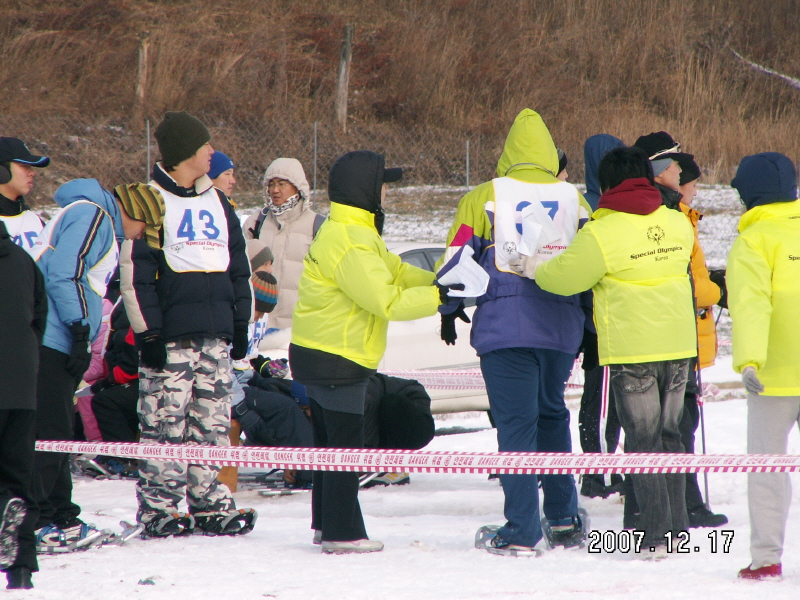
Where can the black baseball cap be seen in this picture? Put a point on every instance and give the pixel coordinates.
(13, 149)
(393, 174)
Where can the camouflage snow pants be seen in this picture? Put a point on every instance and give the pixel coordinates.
(186, 403)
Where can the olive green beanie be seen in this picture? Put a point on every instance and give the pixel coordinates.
(180, 136)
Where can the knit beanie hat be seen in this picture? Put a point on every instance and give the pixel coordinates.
(180, 136)
(219, 164)
(291, 170)
(258, 253)
(689, 169)
(265, 290)
(143, 203)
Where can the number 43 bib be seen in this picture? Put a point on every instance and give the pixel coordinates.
(195, 233)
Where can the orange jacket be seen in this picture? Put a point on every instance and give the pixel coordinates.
(706, 293)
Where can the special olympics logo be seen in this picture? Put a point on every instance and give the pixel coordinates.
(655, 234)
(509, 247)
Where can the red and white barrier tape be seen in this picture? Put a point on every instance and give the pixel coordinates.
(415, 461)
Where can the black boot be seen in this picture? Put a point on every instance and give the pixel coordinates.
(593, 486)
(19, 578)
(702, 517)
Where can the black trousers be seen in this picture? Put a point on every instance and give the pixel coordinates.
(17, 443)
(690, 419)
(589, 414)
(55, 415)
(115, 409)
(688, 427)
(334, 497)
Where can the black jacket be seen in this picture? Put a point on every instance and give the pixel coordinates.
(669, 198)
(191, 305)
(23, 316)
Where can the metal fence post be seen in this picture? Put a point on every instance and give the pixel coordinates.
(315, 160)
(467, 164)
(147, 166)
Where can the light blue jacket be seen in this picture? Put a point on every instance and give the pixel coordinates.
(81, 237)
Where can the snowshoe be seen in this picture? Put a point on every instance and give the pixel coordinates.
(70, 537)
(239, 521)
(129, 531)
(387, 479)
(487, 538)
(168, 524)
(571, 533)
(13, 515)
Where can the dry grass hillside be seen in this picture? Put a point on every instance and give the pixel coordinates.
(455, 68)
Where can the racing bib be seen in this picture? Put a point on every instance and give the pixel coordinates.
(195, 233)
(24, 229)
(533, 219)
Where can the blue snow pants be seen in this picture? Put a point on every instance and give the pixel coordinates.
(526, 397)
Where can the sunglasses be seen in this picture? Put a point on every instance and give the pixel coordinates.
(675, 148)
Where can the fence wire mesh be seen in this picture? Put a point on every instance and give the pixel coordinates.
(438, 164)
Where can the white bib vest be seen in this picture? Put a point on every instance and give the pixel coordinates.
(195, 233)
(255, 333)
(533, 219)
(100, 274)
(24, 229)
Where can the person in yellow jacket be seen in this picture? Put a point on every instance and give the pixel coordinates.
(634, 255)
(763, 281)
(351, 287)
(707, 294)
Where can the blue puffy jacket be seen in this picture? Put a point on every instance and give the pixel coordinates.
(82, 235)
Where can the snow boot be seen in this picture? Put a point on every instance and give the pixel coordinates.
(239, 521)
(702, 517)
(593, 486)
(19, 578)
(762, 573)
(13, 515)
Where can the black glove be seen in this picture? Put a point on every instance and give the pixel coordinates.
(81, 355)
(102, 384)
(444, 289)
(449, 325)
(591, 358)
(240, 342)
(718, 277)
(154, 352)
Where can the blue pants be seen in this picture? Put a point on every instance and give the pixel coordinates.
(526, 396)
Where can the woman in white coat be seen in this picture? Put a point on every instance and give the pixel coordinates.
(287, 225)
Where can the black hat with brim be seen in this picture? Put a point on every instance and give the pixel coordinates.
(392, 175)
(13, 149)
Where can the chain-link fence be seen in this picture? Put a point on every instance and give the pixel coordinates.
(115, 153)
(439, 164)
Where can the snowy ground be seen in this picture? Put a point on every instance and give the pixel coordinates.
(428, 528)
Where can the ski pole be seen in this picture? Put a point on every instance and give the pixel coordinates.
(702, 427)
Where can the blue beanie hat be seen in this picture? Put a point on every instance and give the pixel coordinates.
(765, 178)
(219, 164)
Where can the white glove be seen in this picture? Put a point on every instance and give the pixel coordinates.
(751, 381)
(524, 266)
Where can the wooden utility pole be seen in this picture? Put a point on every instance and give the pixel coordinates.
(141, 82)
(340, 106)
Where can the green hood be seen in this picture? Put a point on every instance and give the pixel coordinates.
(529, 147)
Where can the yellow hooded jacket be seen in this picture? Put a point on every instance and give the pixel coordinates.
(637, 267)
(706, 293)
(352, 286)
(763, 281)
